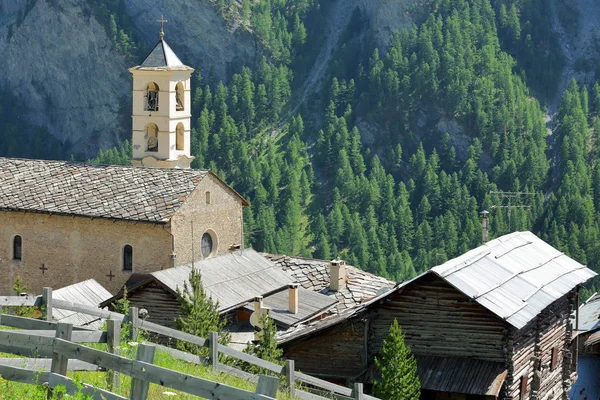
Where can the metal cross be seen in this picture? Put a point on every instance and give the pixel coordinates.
(43, 268)
(110, 275)
(162, 21)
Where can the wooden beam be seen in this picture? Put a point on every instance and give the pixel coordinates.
(140, 386)
(267, 385)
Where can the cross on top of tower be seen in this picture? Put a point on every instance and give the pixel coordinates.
(162, 21)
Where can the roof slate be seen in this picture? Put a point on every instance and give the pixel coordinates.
(162, 57)
(313, 274)
(231, 279)
(98, 191)
(514, 276)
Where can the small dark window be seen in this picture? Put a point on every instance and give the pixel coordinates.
(207, 197)
(524, 386)
(206, 245)
(127, 258)
(554, 362)
(17, 248)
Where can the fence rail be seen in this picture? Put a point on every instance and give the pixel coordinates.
(38, 341)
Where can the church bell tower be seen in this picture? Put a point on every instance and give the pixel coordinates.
(161, 109)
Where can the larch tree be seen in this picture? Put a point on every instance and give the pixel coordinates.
(398, 369)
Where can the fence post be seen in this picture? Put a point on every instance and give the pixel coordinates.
(139, 387)
(267, 385)
(113, 341)
(357, 393)
(213, 352)
(290, 376)
(47, 301)
(134, 319)
(0, 315)
(59, 362)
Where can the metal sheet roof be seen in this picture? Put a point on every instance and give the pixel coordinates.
(310, 304)
(589, 315)
(460, 375)
(515, 276)
(231, 279)
(87, 293)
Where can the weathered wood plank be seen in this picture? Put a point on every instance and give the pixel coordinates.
(96, 312)
(20, 301)
(311, 380)
(238, 372)
(267, 385)
(44, 364)
(77, 336)
(140, 386)
(59, 361)
(278, 369)
(152, 327)
(113, 342)
(48, 303)
(22, 375)
(181, 355)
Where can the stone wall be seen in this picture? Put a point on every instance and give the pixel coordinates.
(222, 218)
(75, 248)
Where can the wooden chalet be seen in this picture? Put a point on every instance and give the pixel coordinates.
(492, 323)
(234, 281)
(586, 347)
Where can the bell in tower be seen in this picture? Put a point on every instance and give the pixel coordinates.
(161, 109)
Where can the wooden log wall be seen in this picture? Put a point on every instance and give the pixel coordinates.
(531, 350)
(338, 352)
(162, 306)
(438, 320)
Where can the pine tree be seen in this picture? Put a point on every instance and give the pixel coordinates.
(398, 369)
(266, 346)
(199, 315)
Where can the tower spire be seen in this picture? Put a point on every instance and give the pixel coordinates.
(162, 21)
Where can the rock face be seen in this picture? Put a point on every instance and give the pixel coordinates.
(68, 77)
(385, 17)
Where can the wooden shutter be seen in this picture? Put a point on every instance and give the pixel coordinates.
(524, 386)
(554, 362)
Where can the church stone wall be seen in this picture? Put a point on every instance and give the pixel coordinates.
(75, 248)
(222, 218)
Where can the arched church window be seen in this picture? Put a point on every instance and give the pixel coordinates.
(206, 245)
(127, 258)
(17, 248)
(152, 135)
(152, 97)
(179, 97)
(179, 136)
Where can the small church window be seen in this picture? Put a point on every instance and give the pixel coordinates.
(206, 245)
(179, 97)
(17, 248)
(152, 134)
(152, 97)
(127, 258)
(179, 136)
(207, 197)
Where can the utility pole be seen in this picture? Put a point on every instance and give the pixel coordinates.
(509, 197)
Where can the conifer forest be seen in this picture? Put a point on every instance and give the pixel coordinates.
(385, 155)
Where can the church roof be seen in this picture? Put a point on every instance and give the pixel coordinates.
(162, 57)
(97, 191)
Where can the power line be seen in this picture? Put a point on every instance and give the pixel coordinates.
(510, 196)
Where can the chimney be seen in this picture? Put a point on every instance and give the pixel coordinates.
(258, 306)
(484, 226)
(234, 247)
(337, 275)
(293, 298)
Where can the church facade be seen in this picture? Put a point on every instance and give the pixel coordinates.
(64, 222)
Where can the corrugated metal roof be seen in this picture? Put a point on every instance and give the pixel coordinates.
(231, 279)
(515, 276)
(460, 375)
(589, 315)
(87, 293)
(310, 304)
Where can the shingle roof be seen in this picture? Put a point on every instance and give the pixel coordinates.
(99, 191)
(232, 279)
(589, 315)
(162, 57)
(313, 274)
(88, 293)
(514, 276)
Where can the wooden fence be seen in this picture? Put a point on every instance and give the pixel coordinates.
(45, 329)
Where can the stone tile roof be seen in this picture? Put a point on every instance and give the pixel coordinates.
(98, 191)
(162, 58)
(314, 274)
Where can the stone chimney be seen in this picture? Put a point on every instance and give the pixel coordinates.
(484, 226)
(293, 298)
(337, 275)
(258, 306)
